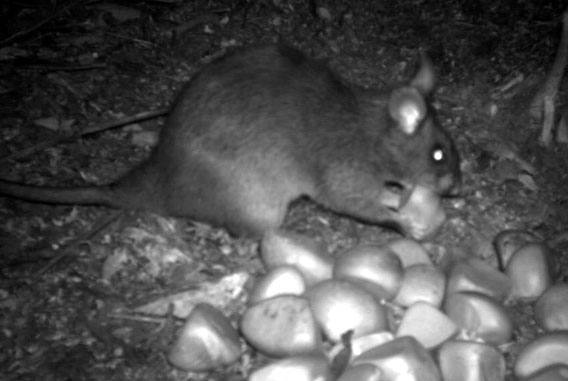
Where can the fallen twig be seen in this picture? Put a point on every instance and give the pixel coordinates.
(52, 68)
(87, 131)
(543, 101)
(35, 27)
(77, 241)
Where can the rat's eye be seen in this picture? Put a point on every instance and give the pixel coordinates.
(438, 154)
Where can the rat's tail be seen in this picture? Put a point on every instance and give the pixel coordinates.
(94, 195)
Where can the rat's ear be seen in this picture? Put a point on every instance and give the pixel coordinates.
(408, 108)
(425, 79)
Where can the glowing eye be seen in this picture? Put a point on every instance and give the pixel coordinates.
(438, 155)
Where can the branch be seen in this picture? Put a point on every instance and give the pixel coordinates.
(543, 103)
(87, 131)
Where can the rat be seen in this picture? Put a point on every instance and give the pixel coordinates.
(262, 126)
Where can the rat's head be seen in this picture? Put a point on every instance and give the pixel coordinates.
(423, 163)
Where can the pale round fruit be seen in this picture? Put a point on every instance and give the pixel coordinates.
(477, 275)
(403, 358)
(340, 306)
(551, 373)
(362, 343)
(282, 326)
(548, 350)
(206, 341)
(423, 214)
(421, 283)
(427, 324)
(375, 268)
(480, 315)
(304, 368)
(409, 251)
(509, 241)
(530, 271)
(471, 361)
(283, 280)
(551, 309)
(363, 372)
(310, 257)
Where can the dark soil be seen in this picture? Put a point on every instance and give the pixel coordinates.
(71, 278)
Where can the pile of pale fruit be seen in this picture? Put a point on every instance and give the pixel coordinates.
(387, 313)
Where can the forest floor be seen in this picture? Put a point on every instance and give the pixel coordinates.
(72, 278)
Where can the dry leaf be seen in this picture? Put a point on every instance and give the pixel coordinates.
(9, 53)
(119, 12)
(324, 14)
(220, 294)
(113, 264)
(528, 181)
(54, 123)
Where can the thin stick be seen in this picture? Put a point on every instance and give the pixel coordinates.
(543, 101)
(50, 68)
(87, 131)
(34, 27)
(77, 241)
(550, 87)
(123, 121)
